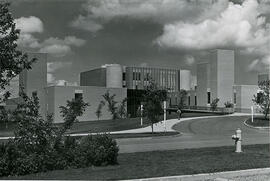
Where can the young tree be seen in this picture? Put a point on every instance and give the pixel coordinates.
(112, 108)
(99, 108)
(214, 104)
(70, 112)
(122, 111)
(12, 60)
(262, 98)
(153, 99)
(183, 99)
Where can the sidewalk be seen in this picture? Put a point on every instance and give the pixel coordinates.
(161, 126)
(261, 174)
(158, 127)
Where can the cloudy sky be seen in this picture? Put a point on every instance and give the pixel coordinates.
(80, 35)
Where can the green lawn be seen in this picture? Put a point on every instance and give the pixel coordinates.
(258, 122)
(107, 125)
(168, 163)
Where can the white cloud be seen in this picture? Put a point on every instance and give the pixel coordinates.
(29, 24)
(161, 11)
(237, 26)
(86, 23)
(53, 66)
(53, 45)
(189, 59)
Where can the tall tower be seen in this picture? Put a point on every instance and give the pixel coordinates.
(34, 81)
(216, 77)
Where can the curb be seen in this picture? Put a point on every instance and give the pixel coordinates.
(213, 175)
(255, 127)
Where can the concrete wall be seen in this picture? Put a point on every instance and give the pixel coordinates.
(96, 77)
(244, 96)
(35, 79)
(202, 82)
(225, 75)
(58, 95)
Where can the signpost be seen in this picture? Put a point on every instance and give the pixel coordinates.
(164, 108)
(141, 114)
(252, 114)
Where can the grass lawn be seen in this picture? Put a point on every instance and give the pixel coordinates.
(258, 122)
(167, 163)
(106, 125)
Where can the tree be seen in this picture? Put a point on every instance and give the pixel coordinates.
(262, 98)
(153, 99)
(99, 108)
(112, 108)
(70, 112)
(12, 60)
(183, 99)
(214, 104)
(122, 111)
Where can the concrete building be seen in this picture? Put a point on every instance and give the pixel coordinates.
(215, 77)
(136, 80)
(58, 96)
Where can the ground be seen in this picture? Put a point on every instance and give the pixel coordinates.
(105, 125)
(197, 133)
(258, 121)
(167, 163)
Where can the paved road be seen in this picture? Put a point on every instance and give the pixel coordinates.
(203, 132)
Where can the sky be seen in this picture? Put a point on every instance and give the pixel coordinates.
(80, 35)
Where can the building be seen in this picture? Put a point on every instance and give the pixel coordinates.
(136, 80)
(215, 77)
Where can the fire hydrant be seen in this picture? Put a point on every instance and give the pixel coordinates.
(238, 140)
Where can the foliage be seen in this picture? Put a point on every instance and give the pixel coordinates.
(214, 104)
(153, 99)
(122, 111)
(183, 98)
(99, 150)
(99, 108)
(228, 104)
(262, 98)
(12, 61)
(112, 108)
(39, 146)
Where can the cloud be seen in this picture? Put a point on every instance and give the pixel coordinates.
(237, 26)
(29, 24)
(53, 66)
(52, 45)
(99, 12)
(190, 60)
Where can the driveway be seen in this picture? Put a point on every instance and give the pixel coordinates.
(196, 133)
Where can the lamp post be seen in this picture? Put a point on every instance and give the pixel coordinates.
(164, 115)
(252, 114)
(141, 114)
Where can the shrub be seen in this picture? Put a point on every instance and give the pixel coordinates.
(228, 104)
(99, 150)
(214, 104)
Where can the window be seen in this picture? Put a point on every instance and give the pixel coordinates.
(259, 97)
(78, 96)
(134, 75)
(208, 97)
(189, 100)
(234, 97)
(34, 94)
(124, 76)
(195, 100)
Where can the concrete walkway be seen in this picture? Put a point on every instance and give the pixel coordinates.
(161, 126)
(261, 174)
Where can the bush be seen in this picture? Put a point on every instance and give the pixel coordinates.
(99, 150)
(228, 104)
(214, 104)
(39, 146)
